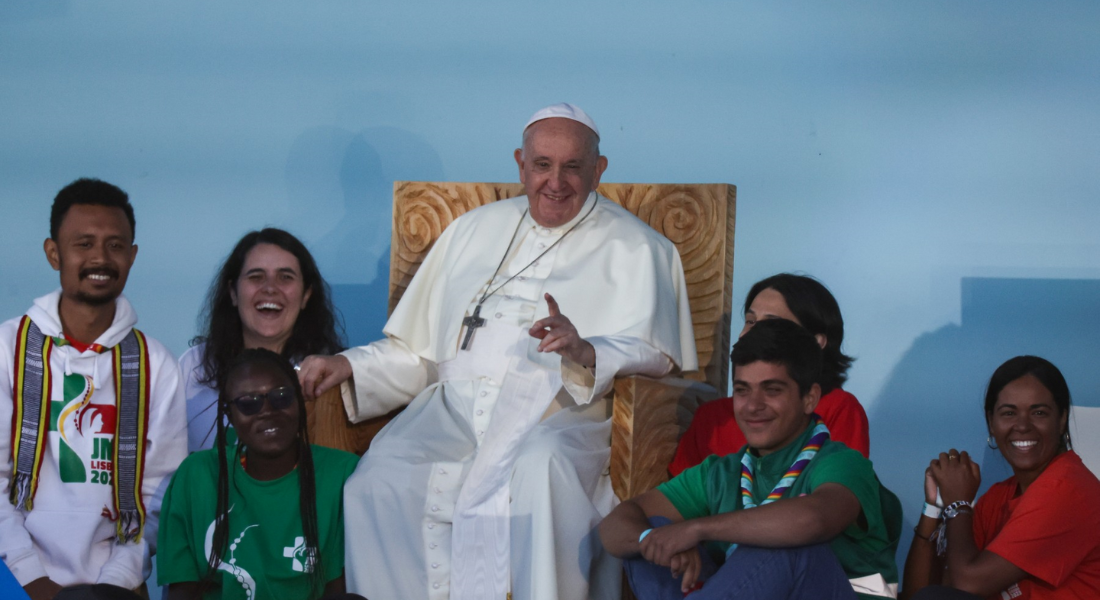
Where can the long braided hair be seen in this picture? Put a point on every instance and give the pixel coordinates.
(307, 490)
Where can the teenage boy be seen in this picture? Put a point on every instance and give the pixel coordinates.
(792, 515)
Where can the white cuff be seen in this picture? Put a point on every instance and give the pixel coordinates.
(932, 511)
(25, 567)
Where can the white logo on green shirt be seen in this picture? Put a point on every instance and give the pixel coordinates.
(296, 554)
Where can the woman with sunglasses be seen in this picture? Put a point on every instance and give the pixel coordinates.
(262, 518)
(268, 294)
(1034, 535)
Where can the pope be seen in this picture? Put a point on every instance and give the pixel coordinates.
(494, 478)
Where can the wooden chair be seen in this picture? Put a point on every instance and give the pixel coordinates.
(649, 414)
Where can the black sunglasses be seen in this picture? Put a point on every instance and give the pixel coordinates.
(280, 398)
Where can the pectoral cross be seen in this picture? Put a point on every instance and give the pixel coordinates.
(472, 322)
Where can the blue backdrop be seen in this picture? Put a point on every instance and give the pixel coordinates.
(935, 163)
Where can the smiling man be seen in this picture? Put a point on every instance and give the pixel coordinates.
(792, 515)
(97, 409)
(495, 476)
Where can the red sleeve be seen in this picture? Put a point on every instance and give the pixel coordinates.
(689, 451)
(991, 511)
(846, 420)
(1038, 537)
(711, 424)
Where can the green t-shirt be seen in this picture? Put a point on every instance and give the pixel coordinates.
(265, 527)
(866, 547)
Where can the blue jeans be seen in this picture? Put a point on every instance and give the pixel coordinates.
(807, 572)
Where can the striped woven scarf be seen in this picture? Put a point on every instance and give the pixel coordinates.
(31, 392)
(809, 451)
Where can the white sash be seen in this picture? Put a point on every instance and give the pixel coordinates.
(480, 532)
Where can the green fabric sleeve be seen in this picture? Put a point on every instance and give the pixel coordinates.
(177, 562)
(851, 470)
(688, 490)
(333, 552)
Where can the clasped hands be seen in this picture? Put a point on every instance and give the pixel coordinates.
(955, 474)
(675, 546)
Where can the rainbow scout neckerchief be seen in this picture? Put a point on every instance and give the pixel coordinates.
(809, 451)
(31, 388)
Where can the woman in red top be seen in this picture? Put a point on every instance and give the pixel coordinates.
(1035, 535)
(807, 302)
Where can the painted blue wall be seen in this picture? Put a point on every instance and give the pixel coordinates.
(935, 163)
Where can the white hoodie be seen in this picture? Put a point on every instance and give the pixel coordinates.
(67, 536)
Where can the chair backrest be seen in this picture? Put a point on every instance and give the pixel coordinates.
(1084, 430)
(698, 218)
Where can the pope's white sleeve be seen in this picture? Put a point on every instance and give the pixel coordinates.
(166, 449)
(386, 375)
(615, 355)
(16, 548)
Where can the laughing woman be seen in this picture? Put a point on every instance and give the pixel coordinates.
(1036, 534)
(262, 519)
(268, 294)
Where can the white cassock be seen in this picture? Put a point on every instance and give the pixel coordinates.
(494, 478)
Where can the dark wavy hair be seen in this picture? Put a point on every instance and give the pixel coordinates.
(1039, 368)
(782, 342)
(307, 485)
(817, 310)
(318, 329)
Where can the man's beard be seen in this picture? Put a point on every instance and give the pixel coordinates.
(97, 299)
(92, 300)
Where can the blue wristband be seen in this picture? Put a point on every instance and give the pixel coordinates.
(644, 533)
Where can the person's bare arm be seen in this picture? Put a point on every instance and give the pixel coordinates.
(922, 567)
(42, 588)
(968, 569)
(811, 519)
(620, 530)
(186, 590)
(336, 586)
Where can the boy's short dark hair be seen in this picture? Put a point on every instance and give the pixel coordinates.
(783, 342)
(89, 191)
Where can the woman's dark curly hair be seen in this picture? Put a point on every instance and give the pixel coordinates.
(317, 330)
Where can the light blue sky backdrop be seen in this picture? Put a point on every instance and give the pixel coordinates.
(926, 160)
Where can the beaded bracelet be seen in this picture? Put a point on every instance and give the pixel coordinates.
(949, 512)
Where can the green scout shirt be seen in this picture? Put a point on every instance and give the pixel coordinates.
(266, 542)
(866, 547)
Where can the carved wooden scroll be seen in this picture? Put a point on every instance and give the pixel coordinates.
(698, 218)
(648, 418)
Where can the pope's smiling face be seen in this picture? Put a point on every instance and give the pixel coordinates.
(559, 165)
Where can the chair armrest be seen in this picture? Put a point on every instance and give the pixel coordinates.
(649, 416)
(328, 424)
